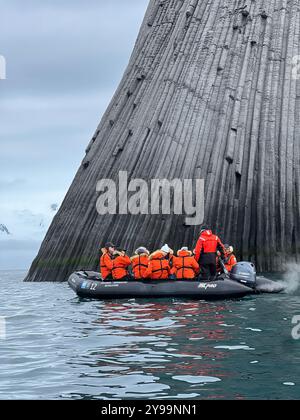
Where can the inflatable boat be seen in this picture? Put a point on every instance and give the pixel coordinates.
(242, 281)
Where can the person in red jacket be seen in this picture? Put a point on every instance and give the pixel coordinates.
(230, 259)
(106, 261)
(206, 251)
(139, 263)
(121, 262)
(184, 265)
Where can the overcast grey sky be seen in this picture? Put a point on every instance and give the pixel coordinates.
(65, 59)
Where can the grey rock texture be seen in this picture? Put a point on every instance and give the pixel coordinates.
(208, 93)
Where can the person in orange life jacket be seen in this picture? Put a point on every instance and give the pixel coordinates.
(169, 252)
(230, 259)
(159, 264)
(121, 262)
(170, 258)
(206, 251)
(184, 265)
(139, 263)
(106, 261)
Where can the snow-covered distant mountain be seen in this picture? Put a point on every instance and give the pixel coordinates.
(26, 212)
(22, 229)
(27, 224)
(4, 230)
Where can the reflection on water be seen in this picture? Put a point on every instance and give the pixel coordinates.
(58, 346)
(153, 344)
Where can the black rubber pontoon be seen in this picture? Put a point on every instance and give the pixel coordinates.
(87, 287)
(88, 284)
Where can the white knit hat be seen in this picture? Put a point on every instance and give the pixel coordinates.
(166, 249)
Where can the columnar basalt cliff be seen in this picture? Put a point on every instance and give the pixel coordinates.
(210, 92)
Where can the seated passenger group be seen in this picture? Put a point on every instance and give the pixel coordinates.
(209, 257)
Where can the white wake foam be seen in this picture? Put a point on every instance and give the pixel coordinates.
(291, 278)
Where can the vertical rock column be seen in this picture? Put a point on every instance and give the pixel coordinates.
(208, 93)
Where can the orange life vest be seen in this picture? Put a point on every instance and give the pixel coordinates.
(185, 266)
(159, 266)
(106, 265)
(230, 262)
(120, 266)
(140, 266)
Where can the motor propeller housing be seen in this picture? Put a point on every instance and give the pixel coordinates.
(245, 273)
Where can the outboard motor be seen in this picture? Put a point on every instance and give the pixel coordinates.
(245, 273)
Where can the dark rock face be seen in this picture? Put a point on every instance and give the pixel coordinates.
(4, 230)
(210, 92)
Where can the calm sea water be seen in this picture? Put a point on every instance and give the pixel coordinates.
(60, 347)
